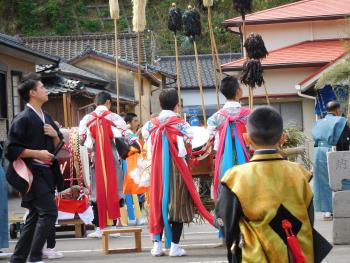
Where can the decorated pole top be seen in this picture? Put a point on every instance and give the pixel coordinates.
(208, 3)
(139, 15)
(175, 19)
(255, 47)
(242, 6)
(192, 23)
(114, 9)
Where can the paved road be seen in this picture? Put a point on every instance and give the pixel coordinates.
(200, 241)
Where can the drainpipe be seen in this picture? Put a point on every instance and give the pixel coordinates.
(298, 88)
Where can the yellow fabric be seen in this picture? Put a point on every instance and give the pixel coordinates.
(261, 186)
(124, 216)
(137, 209)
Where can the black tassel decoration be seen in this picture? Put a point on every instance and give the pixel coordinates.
(175, 19)
(192, 23)
(255, 47)
(242, 6)
(252, 75)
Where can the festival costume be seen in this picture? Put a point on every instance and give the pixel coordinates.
(172, 192)
(256, 198)
(230, 150)
(326, 133)
(100, 128)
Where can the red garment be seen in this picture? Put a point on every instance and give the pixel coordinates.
(107, 198)
(240, 124)
(156, 188)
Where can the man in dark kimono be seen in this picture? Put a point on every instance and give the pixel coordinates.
(33, 138)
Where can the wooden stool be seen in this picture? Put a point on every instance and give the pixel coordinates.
(105, 240)
(78, 224)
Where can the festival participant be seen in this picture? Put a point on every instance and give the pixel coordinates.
(327, 132)
(132, 200)
(172, 192)
(33, 138)
(227, 127)
(268, 199)
(98, 131)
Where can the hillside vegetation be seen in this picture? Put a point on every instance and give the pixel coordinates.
(66, 17)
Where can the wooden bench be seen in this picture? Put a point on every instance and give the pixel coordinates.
(105, 239)
(78, 225)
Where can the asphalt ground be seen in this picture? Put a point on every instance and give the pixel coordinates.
(199, 239)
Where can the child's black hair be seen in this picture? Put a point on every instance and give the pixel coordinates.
(265, 126)
(229, 87)
(168, 99)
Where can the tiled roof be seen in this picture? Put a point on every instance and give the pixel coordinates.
(313, 78)
(304, 54)
(66, 69)
(307, 10)
(147, 68)
(68, 47)
(63, 85)
(16, 43)
(188, 75)
(70, 70)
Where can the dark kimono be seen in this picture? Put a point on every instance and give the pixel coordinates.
(27, 132)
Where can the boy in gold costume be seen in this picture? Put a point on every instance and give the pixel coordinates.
(265, 206)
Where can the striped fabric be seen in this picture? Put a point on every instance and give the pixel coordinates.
(181, 207)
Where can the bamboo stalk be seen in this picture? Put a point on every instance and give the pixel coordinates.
(267, 95)
(116, 64)
(69, 110)
(199, 78)
(65, 110)
(214, 61)
(139, 71)
(178, 74)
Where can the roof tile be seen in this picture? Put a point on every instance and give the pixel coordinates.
(318, 52)
(68, 47)
(301, 10)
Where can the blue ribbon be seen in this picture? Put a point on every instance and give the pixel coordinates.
(130, 207)
(166, 187)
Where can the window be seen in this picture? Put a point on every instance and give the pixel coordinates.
(292, 114)
(16, 100)
(3, 96)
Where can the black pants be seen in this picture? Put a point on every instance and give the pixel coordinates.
(51, 239)
(39, 223)
(176, 231)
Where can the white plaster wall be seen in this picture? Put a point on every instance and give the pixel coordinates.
(309, 120)
(281, 35)
(281, 81)
(193, 98)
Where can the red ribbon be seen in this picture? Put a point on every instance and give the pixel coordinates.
(240, 124)
(107, 197)
(156, 187)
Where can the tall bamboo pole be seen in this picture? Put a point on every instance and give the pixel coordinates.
(116, 64)
(200, 84)
(139, 77)
(214, 59)
(178, 74)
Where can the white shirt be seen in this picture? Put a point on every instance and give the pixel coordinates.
(119, 130)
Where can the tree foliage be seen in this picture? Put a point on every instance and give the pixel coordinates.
(65, 17)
